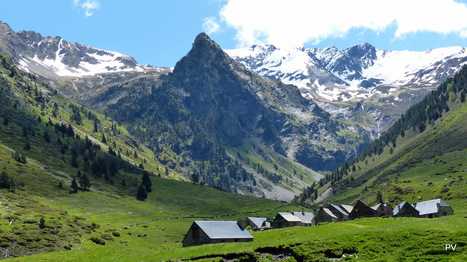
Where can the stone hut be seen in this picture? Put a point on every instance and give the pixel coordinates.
(305, 217)
(258, 223)
(286, 219)
(210, 232)
(405, 209)
(361, 210)
(433, 208)
(383, 210)
(323, 215)
(339, 212)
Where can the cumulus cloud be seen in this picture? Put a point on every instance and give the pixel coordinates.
(210, 25)
(296, 22)
(88, 6)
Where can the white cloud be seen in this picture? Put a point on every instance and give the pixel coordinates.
(210, 25)
(88, 6)
(296, 22)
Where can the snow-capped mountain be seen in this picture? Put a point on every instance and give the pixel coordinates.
(55, 57)
(352, 74)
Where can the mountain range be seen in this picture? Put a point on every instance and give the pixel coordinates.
(384, 84)
(314, 108)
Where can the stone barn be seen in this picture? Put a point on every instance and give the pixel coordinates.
(339, 212)
(323, 215)
(433, 208)
(305, 217)
(405, 209)
(361, 210)
(383, 210)
(286, 219)
(210, 232)
(258, 223)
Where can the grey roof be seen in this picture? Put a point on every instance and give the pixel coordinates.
(289, 217)
(338, 209)
(347, 208)
(223, 230)
(398, 207)
(257, 221)
(375, 207)
(305, 217)
(329, 213)
(430, 206)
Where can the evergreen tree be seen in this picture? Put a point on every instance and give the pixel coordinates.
(6, 121)
(84, 182)
(379, 197)
(27, 145)
(4, 180)
(42, 223)
(74, 185)
(113, 169)
(103, 139)
(69, 131)
(46, 136)
(146, 181)
(194, 178)
(141, 195)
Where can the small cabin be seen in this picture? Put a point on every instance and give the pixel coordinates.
(210, 232)
(258, 223)
(361, 210)
(339, 212)
(305, 217)
(286, 219)
(433, 208)
(405, 209)
(323, 215)
(383, 209)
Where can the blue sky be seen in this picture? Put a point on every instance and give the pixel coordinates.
(161, 32)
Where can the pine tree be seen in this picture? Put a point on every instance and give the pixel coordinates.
(84, 182)
(46, 137)
(379, 197)
(4, 180)
(141, 195)
(146, 181)
(42, 223)
(103, 139)
(74, 185)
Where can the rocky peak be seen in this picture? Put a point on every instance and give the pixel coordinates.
(206, 50)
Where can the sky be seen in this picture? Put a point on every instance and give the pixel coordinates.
(161, 32)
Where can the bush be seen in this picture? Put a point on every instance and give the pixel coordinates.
(97, 240)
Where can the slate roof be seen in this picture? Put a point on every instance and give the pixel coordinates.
(289, 217)
(338, 209)
(347, 208)
(223, 230)
(400, 206)
(430, 206)
(377, 206)
(258, 221)
(304, 217)
(329, 213)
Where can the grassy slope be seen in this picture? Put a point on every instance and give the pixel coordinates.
(390, 239)
(106, 212)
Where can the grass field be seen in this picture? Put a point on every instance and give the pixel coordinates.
(383, 239)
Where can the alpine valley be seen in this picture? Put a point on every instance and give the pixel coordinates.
(104, 159)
